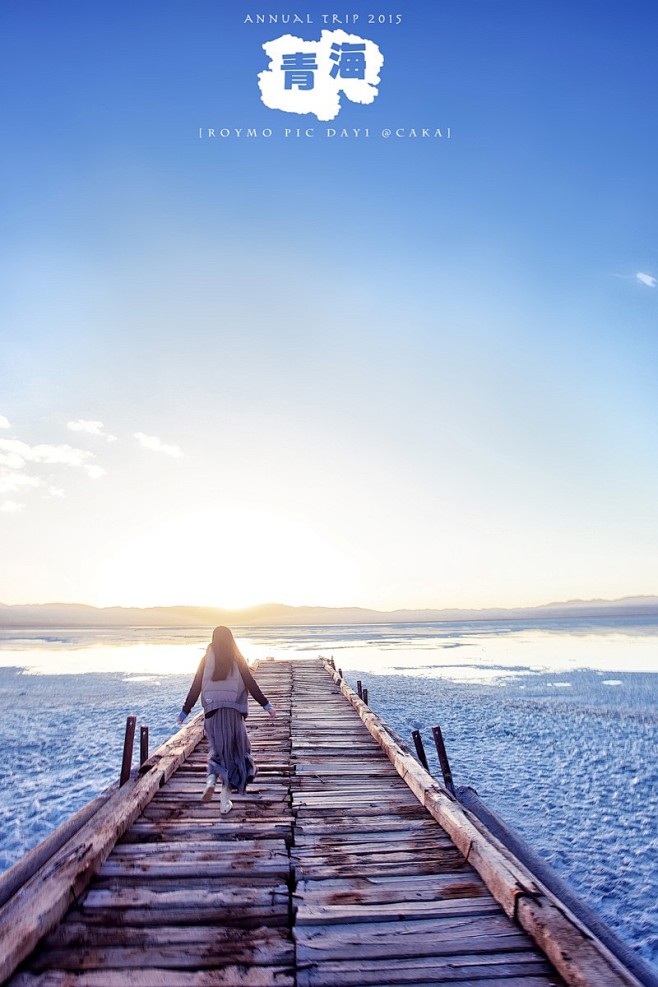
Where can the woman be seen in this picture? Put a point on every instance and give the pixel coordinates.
(222, 680)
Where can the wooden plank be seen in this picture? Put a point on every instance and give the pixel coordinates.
(409, 868)
(262, 798)
(170, 832)
(379, 769)
(502, 970)
(212, 849)
(307, 826)
(380, 889)
(190, 867)
(373, 842)
(210, 811)
(310, 914)
(241, 916)
(317, 800)
(341, 859)
(270, 946)
(447, 937)
(360, 811)
(172, 957)
(172, 905)
(227, 976)
(197, 880)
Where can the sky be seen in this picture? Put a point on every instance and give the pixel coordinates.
(373, 370)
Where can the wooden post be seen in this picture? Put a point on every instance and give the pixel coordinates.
(443, 759)
(143, 744)
(420, 749)
(365, 696)
(340, 672)
(359, 688)
(128, 742)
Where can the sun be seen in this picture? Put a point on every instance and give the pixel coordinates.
(228, 557)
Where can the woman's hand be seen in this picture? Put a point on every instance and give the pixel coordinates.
(271, 710)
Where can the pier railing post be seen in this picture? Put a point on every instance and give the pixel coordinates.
(364, 696)
(128, 741)
(420, 749)
(359, 688)
(143, 744)
(443, 759)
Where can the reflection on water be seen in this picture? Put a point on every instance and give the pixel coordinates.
(469, 652)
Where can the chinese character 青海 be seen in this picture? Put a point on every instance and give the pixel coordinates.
(299, 68)
(350, 61)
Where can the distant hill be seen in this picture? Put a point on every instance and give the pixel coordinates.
(278, 614)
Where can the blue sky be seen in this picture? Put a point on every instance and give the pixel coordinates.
(382, 371)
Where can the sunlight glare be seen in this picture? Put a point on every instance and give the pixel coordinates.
(228, 557)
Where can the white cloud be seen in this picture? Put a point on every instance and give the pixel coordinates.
(11, 460)
(157, 445)
(11, 507)
(81, 425)
(15, 456)
(91, 428)
(12, 482)
(4, 422)
(44, 453)
(646, 279)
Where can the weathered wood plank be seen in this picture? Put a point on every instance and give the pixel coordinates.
(144, 905)
(241, 916)
(310, 914)
(249, 798)
(165, 831)
(381, 889)
(447, 937)
(76, 936)
(374, 842)
(227, 976)
(360, 800)
(212, 849)
(211, 858)
(198, 880)
(339, 858)
(195, 953)
(365, 810)
(501, 970)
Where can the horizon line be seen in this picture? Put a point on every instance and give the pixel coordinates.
(638, 598)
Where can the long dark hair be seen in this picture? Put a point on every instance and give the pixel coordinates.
(225, 650)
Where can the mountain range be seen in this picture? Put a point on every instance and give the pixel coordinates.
(279, 614)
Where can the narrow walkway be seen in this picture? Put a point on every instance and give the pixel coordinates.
(383, 896)
(329, 872)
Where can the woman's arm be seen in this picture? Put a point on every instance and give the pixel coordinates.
(250, 682)
(195, 690)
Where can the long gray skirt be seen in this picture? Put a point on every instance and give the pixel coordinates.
(229, 749)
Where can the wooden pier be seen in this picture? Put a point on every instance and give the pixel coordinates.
(344, 865)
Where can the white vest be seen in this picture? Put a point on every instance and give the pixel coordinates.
(228, 693)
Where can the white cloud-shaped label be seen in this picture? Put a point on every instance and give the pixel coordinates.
(309, 76)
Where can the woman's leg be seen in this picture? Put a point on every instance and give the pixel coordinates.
(216, 767)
